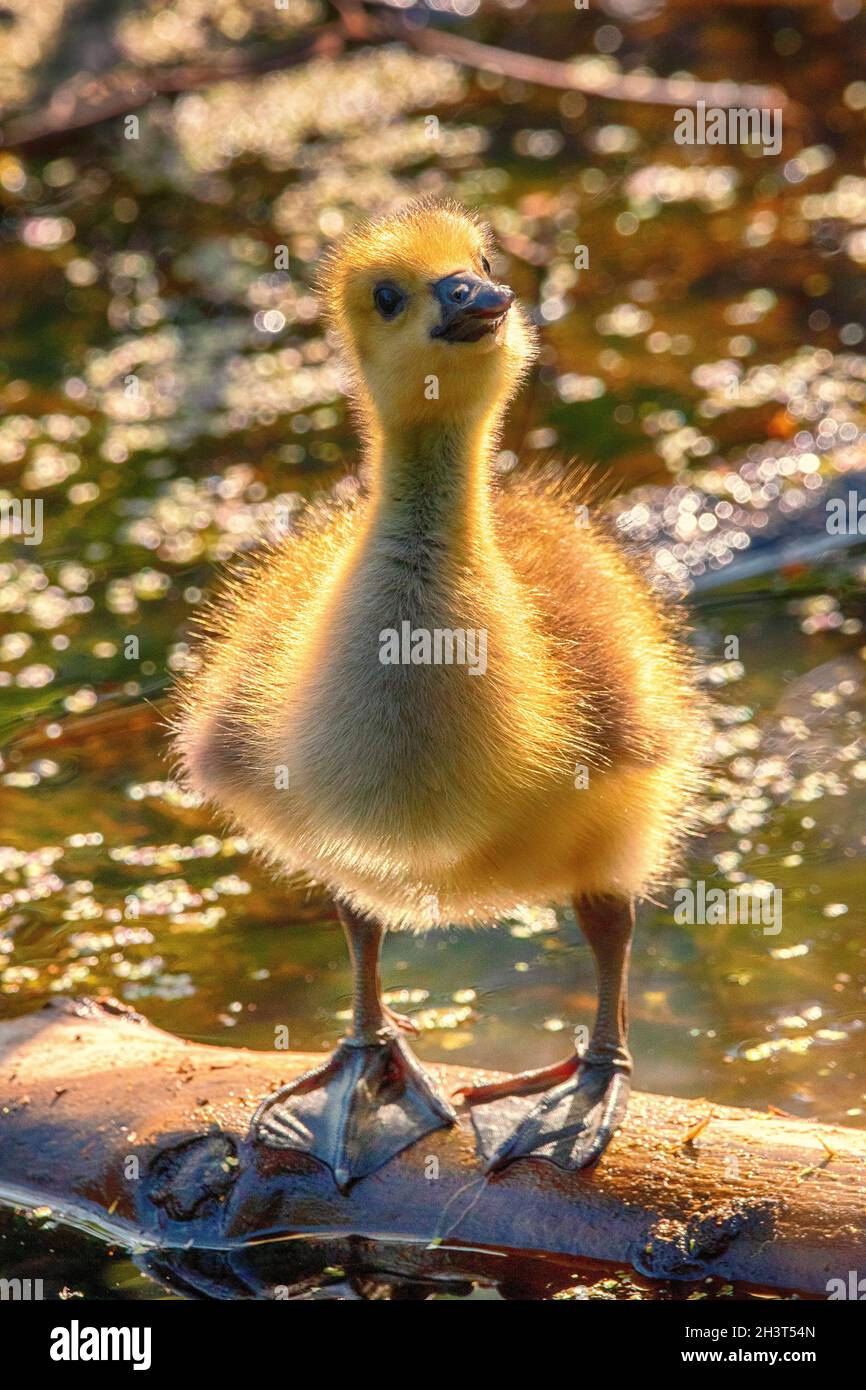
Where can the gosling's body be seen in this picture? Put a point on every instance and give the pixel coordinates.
(423, 794)
(555, 761)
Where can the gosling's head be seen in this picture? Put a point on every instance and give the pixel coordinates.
(430, 335)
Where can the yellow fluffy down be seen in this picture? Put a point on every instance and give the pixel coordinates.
(425, 794)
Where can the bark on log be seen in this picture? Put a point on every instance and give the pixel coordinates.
(114, 1122)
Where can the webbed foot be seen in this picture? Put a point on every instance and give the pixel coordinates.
(366, 1104)
(570, 1126)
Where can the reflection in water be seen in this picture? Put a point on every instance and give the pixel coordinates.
(312, 1268)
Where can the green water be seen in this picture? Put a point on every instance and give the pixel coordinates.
(162, 384)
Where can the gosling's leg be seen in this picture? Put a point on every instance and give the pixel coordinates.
(586, 1095)
(371, 1099)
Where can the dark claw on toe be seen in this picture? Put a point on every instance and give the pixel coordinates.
(571, 1125)
(364, 1106)
(402, 1022)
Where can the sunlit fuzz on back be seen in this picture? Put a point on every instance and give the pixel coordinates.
(426, 794)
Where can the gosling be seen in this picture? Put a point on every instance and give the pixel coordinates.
(449, 697)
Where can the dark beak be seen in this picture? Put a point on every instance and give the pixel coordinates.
(470, 307)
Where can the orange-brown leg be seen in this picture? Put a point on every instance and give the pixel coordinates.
(372, 1098)
(586, 1095)
(522, 1083)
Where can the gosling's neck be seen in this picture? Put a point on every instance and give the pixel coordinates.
(430, 486)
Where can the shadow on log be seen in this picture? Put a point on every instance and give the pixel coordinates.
(125, 1128)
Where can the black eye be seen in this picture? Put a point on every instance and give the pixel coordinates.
(388, 300)
(485, 265)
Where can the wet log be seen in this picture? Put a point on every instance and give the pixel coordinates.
(120, 1126)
